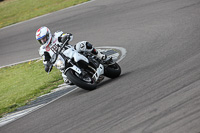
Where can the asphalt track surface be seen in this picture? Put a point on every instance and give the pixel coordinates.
(159, 89)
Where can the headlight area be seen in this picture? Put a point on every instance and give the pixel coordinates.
(59, 63)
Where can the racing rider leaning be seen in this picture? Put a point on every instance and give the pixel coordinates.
(49, 45)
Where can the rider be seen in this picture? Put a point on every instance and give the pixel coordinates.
(49, 45)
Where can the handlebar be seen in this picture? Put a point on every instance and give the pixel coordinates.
(55, 56)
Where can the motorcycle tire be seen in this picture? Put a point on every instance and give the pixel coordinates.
(72, 76)
(112, 71)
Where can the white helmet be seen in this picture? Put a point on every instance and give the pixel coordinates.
(43, 35)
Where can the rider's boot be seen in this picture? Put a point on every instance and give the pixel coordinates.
(99, 54)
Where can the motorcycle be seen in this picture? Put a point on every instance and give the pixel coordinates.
(83, 69)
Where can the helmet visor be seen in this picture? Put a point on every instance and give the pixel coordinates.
(42, 40)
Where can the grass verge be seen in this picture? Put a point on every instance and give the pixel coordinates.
(13, 11)
(24, 82)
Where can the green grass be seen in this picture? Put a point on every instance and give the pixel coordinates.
(24, 82)
(13, 11)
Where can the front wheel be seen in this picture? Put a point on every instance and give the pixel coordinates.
(84, 81)
(112, 71)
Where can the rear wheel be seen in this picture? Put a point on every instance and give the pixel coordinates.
(83, 80)
(112, 71)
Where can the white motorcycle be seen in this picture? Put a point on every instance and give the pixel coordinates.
(83, 69)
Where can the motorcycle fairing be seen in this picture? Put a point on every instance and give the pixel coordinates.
(72, 53)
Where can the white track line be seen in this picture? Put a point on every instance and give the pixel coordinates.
(123, 51)
(20, 62)
(7, 119)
